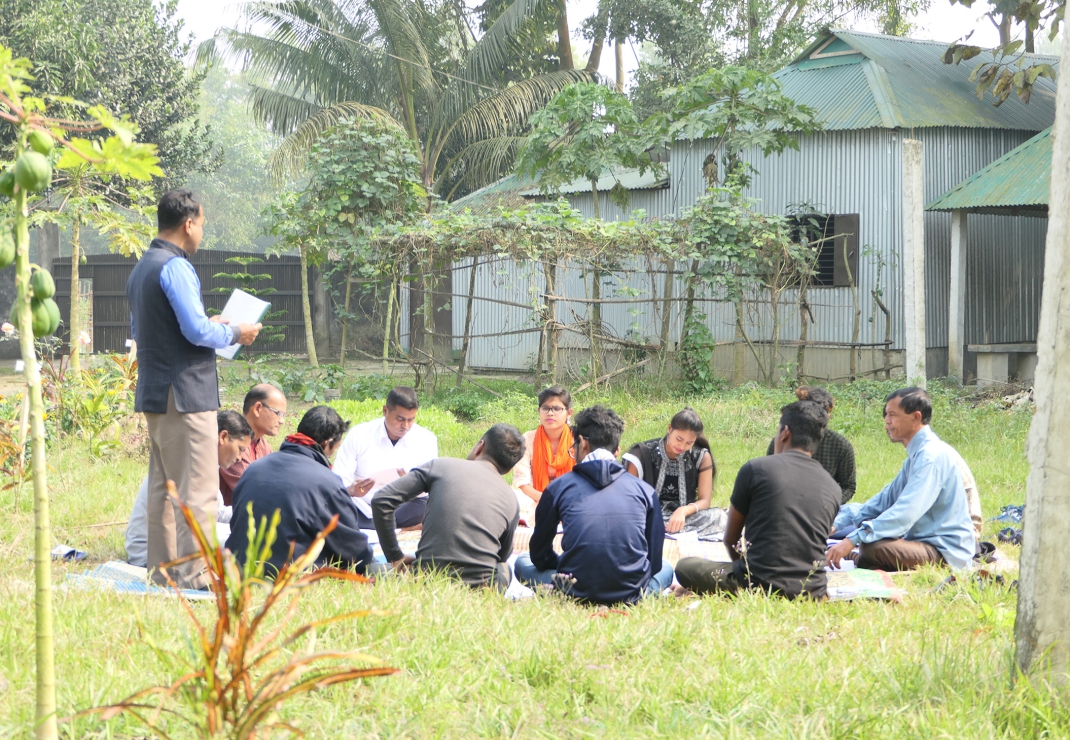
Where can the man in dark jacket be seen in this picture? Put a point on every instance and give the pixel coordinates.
(298, 482)
(613, 529)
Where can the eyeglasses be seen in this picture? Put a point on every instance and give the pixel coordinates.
(280, 414)
(552, 409)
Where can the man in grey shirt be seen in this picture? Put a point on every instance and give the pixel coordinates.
(471, 516)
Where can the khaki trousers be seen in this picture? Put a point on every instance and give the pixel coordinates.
(893, 555)
(184, 449)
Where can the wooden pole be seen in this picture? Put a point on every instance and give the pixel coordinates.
(956, 331)
(468, 321)
(914, 260)
(1042, 628)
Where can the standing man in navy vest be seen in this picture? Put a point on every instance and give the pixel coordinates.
(177, 388)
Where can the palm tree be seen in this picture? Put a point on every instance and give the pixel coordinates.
(313, 62)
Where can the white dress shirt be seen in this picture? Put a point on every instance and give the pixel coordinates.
(367, 450)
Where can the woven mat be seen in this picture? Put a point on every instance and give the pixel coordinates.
(123, 578)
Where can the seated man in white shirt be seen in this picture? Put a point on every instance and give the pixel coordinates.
(377, 452)
(235, 435)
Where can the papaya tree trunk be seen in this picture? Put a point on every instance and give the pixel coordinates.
(46, 728)
(310, 340)
(74, 328)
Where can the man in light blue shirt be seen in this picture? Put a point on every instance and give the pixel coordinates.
(922, 516)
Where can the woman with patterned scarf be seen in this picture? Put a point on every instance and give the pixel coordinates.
(548, 452)
(680, 467)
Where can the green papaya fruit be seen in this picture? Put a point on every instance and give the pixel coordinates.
(42, 284)
(82, 260)
(41, 142)
(41, 320)
(7, 248)
(33, 172)
(7, 182)
(53, 315)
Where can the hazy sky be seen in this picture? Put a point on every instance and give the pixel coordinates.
(943, 22)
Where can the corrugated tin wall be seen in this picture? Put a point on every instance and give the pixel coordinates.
(836, 172)
(1005, 254)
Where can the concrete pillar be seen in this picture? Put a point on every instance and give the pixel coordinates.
(1043, 629)
(956, 333)
(914, 261)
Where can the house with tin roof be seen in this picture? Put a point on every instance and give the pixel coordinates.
(872, 93)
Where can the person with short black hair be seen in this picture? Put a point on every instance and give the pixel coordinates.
(923, 516)
(297, 482)
(548, 450)
(264, 409)
(787, 503)
(836, 454)
(681, 469)
(613, 532)
(471, 512)
(378, 452)
(177, 387)
(234, 437)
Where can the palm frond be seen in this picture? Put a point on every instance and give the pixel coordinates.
(291, 154)
(500, 41)
(508, 110)
(399, 25)
(480, 163)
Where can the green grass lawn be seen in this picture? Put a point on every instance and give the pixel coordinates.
(938, 664)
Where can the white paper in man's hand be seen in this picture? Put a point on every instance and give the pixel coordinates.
(382, 478)
(241, 308)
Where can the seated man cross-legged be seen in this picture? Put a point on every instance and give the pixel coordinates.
(378, 452)
(298, 482)
(613, 528)
(922, 516)
(787, 502)
(471, 516)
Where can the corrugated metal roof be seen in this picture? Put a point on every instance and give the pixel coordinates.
(629, 178)
(861, 80)
(1020, 178)
(505, 193)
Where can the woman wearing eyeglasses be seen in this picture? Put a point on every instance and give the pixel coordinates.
(548, 452)
(680, 467)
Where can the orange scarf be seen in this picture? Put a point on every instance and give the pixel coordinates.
(543, 458)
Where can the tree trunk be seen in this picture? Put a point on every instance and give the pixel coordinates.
(564, 42)
(549, 271)
(666, 313)
(689, 305)
(345, 319)
(618, 54)
(857, 315)
(42, 565)
(310, 340)
(429, 326)
(468, 323)
(595, 59)
(388, 326)
(594, 323)
(1030, 40)
(75, 325)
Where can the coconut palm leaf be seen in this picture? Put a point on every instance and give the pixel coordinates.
(480, 162)
(501, 39)
(290, 156)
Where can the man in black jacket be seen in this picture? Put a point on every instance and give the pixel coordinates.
(298, 482)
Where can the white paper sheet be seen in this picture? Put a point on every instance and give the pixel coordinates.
(382, 478)
(241, 308)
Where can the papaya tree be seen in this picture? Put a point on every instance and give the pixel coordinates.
(40, 142)
(81, 197)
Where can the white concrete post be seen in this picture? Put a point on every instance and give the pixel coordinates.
(1043, 625)
(914, 260)
(956, 331)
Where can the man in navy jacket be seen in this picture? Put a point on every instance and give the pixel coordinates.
(298, 482)
(613, 529)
